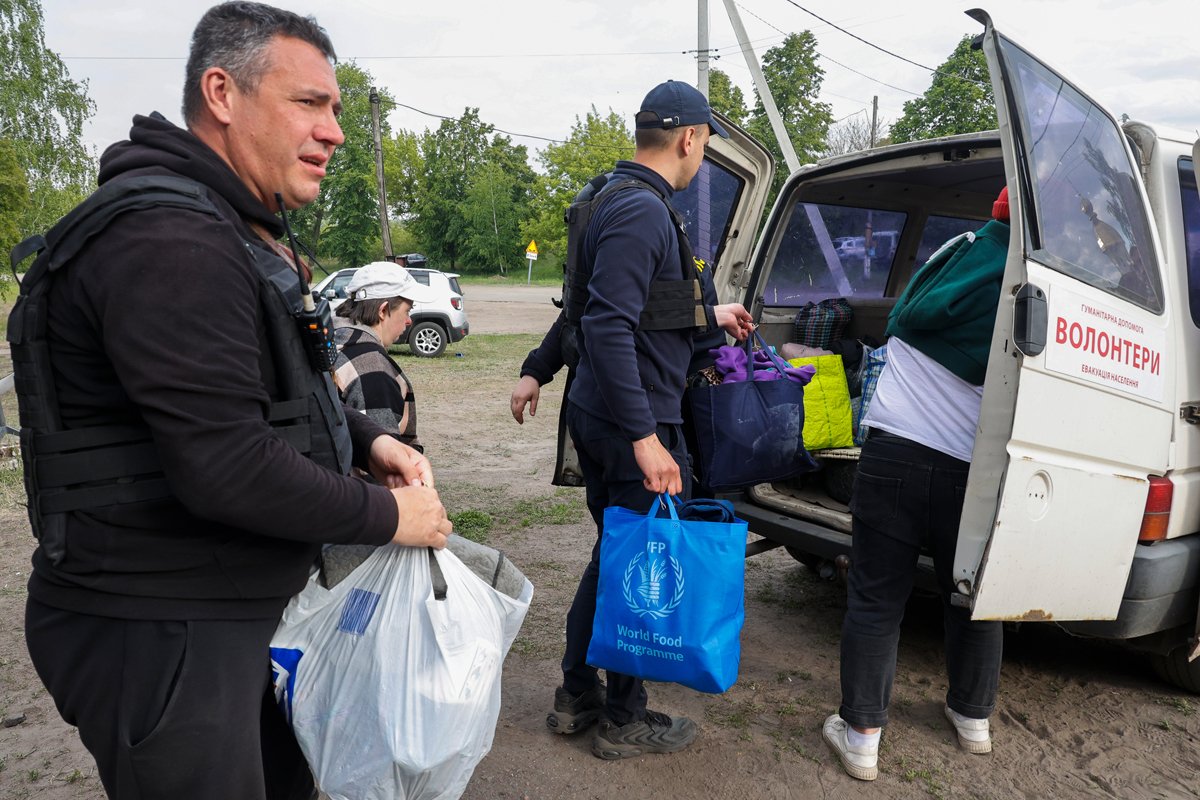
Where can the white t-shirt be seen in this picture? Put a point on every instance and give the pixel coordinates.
(921, 400)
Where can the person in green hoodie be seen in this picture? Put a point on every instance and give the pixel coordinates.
(909, 493)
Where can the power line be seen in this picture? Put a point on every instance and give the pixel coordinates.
(827, 58)
(861, 39)
(497, 130)
(410, 57)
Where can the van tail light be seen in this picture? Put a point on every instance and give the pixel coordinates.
(457, 303)
(1158, 510)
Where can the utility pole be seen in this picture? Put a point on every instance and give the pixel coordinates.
(385, 228)
(702, 47)
(764, 91)
(874, 117)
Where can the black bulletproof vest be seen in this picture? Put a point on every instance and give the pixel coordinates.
(96, 466)
(670, 305)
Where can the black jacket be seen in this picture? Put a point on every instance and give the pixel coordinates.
(159, 321)
(630, 377)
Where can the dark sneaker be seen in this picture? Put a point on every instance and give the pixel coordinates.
(657, 733)
(575, 713)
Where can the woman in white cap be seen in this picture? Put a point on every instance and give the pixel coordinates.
(374, 315)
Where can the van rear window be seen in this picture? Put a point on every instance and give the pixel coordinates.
(833, 251)
(1190, 202)
(706, 206)
(1091, 221)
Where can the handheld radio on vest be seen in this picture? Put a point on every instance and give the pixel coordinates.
(315, 321)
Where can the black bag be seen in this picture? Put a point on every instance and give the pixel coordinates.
(750, 432)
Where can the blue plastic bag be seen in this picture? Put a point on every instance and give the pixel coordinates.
(671, 602)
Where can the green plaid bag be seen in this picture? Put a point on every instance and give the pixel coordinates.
(821, 324)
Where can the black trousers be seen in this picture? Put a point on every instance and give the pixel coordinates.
(907, 495)
(178, 710)
(612, 478)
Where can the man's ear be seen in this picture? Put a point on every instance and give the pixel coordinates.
(688, 140)
(217, 88)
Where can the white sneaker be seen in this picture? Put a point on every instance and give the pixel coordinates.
(859, 762)
(974, 735)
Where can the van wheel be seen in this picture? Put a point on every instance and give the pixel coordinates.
(1175, 669)
(807, 559)
(427, 339)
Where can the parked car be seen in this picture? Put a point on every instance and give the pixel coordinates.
(848, 247)
(434, 324)
(1082, 508)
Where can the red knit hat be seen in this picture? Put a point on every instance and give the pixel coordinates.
(1000, 207)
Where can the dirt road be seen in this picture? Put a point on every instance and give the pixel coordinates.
(1076, 719)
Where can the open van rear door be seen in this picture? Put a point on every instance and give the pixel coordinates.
(723, 205)
(1077, 403)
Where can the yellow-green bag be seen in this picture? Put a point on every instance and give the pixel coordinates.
(828, 416)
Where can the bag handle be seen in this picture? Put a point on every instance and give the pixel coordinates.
(779, 363)
(436, 578)
(661, 502)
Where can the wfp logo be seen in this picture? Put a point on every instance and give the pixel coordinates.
(653, 585)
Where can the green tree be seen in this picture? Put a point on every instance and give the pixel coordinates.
(494, 205)
(959, 99)
(726, 98)
(14, 198)
(402, 168)
(450, 156)
(595, 143)
(795, 79)
(42, 113)
(343, 223)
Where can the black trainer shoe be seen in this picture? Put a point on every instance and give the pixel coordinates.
(657, 733)
(575, 713)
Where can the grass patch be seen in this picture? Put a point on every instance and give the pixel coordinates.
(12, 488)
(930, 778)
(472, 524)
(564, 507)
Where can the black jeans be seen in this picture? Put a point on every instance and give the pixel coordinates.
(177, 710)
(612, 478)
(907, 495)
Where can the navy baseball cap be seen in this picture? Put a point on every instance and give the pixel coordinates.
(675, 103)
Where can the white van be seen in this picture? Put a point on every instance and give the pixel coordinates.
(1083, 504)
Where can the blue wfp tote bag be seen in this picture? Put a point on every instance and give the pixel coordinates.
(750, 432)
(671, 602)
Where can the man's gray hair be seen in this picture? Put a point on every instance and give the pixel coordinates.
(233, 36)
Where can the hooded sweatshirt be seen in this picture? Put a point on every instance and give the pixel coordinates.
(948, 309)
(159, 322)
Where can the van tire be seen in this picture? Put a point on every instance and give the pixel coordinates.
(427, 339)
(1175, 669)
(807, 559)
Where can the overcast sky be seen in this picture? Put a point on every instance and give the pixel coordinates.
(532, 66)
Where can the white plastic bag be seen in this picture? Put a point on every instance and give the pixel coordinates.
(394, 694)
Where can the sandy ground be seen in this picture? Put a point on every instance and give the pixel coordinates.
(1075, 718)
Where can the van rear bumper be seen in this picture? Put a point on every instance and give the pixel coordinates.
(1162, 591)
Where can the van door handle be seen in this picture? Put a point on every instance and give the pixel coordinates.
(1030, 320)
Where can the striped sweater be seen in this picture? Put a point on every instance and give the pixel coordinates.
(371, 382)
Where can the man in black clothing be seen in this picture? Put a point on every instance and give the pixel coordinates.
(149, 622)
(624, 408)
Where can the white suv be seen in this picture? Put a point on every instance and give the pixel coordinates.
(434, 324)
